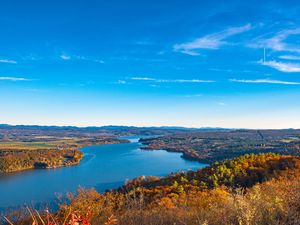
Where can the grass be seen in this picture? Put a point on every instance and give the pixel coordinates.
(38, 145)
(28, 152)
(70, 219)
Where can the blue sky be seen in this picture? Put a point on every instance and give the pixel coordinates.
(150, 63)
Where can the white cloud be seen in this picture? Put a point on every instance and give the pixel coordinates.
(14, 79)
(186, 51)
(277, 42)
(121, 82)
(193, 96)
(282, 66)
(171, 81)
(265, 81)
(211, 41)
(79, 57)
(143, 78)
(99, 61)
(8, 61)
(290, 57)
(221, 103)
(65, 57)
(185, 81)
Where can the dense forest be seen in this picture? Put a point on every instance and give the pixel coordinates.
(250, 189)
(12, 161)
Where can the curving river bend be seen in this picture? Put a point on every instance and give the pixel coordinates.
(103, 167)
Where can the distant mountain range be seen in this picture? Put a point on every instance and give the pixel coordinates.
(115, 127)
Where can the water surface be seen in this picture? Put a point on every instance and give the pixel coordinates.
(103, 167)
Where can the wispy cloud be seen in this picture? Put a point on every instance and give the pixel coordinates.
(121, 82)
(278, 41)
(185, 81)
(265, 81)
(194, 96)
(281, 42)
(142, 78)
(10, 61)
(290, 57)
(67, 57)
(221, 103)
(32, 57)
(171, 81)
(98, 61)
(282, 66)
(211, 41)
(14, 79)
(84, 58)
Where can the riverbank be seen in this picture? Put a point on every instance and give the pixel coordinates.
(210, 147)
(21, 156)
(39, 159)
(103, 167)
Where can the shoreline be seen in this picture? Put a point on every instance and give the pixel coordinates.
(76, 160)
(34, 167)
(77, 164)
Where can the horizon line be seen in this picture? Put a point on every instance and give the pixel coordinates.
(153, 126)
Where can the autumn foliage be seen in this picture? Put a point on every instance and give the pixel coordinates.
(251, 189)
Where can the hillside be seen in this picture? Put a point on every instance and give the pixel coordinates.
(250, 189)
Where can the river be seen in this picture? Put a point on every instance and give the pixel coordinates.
(103, 167)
